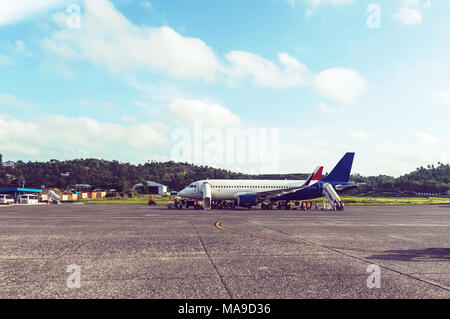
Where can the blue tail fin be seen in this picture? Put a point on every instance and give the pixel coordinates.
(341, 173)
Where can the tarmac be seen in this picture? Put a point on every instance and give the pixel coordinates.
(137, 251)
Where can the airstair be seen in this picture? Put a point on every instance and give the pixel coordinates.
(332, 197)
(207, 197)
(55, 197)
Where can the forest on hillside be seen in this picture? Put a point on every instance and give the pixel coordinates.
(122, 176)
(107, 174)
(430, 179)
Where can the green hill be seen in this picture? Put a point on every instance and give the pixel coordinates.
(432, 179)
(121, 176)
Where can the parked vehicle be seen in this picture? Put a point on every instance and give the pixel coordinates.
(178, 203)
(28, 199)
(151, 201)
(6, 199)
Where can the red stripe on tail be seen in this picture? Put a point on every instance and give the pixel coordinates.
(318, 175)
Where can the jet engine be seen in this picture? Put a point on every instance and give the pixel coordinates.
(247, 200)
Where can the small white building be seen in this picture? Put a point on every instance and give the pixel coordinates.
(153, 188)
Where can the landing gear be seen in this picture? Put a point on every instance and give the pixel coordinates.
(223, 204)
(268, 206)
(284, 205)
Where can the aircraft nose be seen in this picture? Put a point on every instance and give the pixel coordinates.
(182, 193)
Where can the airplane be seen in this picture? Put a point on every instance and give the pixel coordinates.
(249, 193)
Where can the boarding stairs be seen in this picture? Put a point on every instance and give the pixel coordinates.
(332, 197)
(55, 197)
(207, 196)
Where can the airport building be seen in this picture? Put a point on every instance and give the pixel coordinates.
(153, 188)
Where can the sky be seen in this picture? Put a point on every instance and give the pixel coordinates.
(257, 86)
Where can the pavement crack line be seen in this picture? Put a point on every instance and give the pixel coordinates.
(211, 261)
(332, 248)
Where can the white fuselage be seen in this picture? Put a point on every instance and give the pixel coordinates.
(229, 189)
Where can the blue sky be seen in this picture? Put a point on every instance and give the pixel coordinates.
(132, 79)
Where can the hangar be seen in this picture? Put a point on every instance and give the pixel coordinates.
(153, 188)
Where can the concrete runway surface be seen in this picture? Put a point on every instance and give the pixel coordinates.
(136, 251)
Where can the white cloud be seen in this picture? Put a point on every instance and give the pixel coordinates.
(397, 157)
(401, 155)
(107, 39)
(13, 11)
(58, 134)
(340, 84)
(265, 72)
(409, 13)
(92, 133)
(12, 147)
(386, 154)
(12, 129)
(186, 111)
(410, 16)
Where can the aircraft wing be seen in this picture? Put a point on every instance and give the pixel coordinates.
(315, 176)
(262, 196)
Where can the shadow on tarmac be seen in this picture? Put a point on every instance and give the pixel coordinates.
(418, 255)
